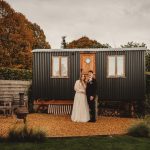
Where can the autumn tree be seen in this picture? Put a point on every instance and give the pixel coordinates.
(18, 37)
(85, 42)
(39, 37)
(133, 44)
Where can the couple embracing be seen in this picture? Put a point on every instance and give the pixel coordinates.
(84, 100)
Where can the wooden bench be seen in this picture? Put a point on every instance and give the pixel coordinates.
(57, 107)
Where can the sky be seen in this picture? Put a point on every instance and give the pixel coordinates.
(108, 21)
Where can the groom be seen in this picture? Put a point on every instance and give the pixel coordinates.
(91, 94)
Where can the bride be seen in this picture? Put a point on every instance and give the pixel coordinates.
(80, 112)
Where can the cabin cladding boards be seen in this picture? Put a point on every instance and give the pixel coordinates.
(47, 87)
(132, 87)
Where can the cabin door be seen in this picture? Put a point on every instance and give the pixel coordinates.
(87, 62)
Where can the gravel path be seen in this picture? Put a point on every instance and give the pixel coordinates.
(62, 126)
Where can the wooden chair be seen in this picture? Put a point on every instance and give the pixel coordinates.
(6, 105)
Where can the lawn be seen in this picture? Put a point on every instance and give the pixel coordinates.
(83, 143)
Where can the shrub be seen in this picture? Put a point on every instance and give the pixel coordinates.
(24, 134)
(15, 74)
(1, 138)
(139, 130)
(147, 120)
(147, 104)
(147, 97)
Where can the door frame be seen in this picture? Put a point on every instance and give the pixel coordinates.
(81, 53)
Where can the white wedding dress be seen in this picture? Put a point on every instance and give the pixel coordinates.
(80, 111)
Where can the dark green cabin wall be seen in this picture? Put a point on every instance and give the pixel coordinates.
(125, 89)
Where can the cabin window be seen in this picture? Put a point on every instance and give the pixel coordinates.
(116, 66)
(59, 66)
(120, 66)
(64, 66)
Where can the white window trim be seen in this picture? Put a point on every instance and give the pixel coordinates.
(60, 76)
(116, 75)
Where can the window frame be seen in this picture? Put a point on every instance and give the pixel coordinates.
(116, 72)
(60, 76)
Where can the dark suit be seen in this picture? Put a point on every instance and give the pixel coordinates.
(91, 91)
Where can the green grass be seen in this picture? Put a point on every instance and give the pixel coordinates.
(84, 143)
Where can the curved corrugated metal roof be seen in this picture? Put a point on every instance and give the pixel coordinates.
(90, 49)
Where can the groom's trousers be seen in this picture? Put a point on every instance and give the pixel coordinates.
(92, 108)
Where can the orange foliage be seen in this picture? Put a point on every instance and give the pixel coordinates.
(17, 38)
(85, 42)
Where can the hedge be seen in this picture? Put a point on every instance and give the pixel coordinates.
(147, 97)
(15, 74)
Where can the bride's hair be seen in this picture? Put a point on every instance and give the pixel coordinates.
(84, 78)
